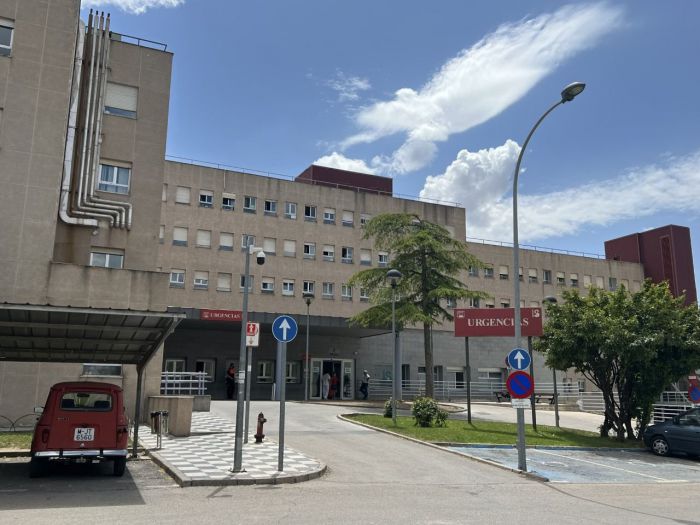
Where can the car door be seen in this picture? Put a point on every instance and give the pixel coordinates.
(684, 434)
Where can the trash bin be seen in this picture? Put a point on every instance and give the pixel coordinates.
(159, 422)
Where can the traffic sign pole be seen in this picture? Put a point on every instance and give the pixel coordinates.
(281, 352)
(532, 375)
(249, 366)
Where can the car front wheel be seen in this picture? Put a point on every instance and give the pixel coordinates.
(659, 446)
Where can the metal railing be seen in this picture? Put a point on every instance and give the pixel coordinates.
(532, 247)
(183, 383)
(137, 41)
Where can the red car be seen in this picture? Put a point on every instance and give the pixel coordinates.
(81, 421)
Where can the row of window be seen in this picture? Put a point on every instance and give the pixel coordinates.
(265, 369)
(267, 285)
(183, 195)
(532, 277)
(269, 246)
(7, 29)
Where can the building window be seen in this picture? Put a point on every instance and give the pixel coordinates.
(267, 285)
(179, 236)
(329, 216)
(364, 218)
(6, 34)
(203, 239)
(114, 179)
(450, 303)
(308, 287)
(208, 366)
(265, 369)
(293, 371)
(310, 213)
(599, 282)
(206, 199)
(364, 295)
(161, 234)
(473, 302)
(288, 287)
(532, 275)
(489, 303)
(164, 195)
(223, 282)
(520, 274)
(547, 276)
(290, 248)
(107, 260)
(174, 365)
(247, 240)
(505, 303)
(226, 241)
(346, 292)
(473, 271)
(121, 100)
(201, 280)
(587, 281)
(177, 278)
(624, 283)
(290, 210)
(328, 290)
(382, 259)
(270, 207)
(348, 218)
(612, 283)
(249, 204)
(561, 279)
(100, 369)
(270, 246)
(228, 201)
(365, 257)
(251, 281)
(309, 250)
(328, 252)
(503, 273)
(534, 304)
(573, 279)
(182, 195)
(488, 273)
(346, 255)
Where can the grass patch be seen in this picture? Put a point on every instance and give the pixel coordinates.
(15, 440)
(494, 433)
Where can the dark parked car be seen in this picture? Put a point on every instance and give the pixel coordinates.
(679, 434)
(81, 421)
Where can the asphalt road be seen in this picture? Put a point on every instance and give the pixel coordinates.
(371, 478)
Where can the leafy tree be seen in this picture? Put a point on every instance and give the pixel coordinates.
(429, 260)
(632, 345)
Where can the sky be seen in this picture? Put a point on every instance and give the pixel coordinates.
(441, 95)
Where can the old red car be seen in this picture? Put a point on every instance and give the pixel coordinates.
(81, 421)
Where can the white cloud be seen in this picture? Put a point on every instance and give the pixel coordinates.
(481, 82)
(136, 7)
(340, 161)
(482, 181)
(348, 87)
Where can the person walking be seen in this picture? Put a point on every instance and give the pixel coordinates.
(326, 383)
(364, 387)
(230, 382)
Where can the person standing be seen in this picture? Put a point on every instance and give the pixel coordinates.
(326, 383)
(364, 387)
(334, 387)
(230, 382)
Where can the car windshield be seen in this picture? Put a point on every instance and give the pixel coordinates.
(690, 418)
(86, 401)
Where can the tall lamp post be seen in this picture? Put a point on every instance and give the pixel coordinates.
(308, 298)
(567, 95)
(553, 300)
(393, 276)
(242, 372)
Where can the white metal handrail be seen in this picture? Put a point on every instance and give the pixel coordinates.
(183, 383)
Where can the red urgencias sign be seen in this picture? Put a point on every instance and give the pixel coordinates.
(496, 322)
(220, 315)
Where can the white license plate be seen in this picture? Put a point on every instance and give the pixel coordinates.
(84, 434)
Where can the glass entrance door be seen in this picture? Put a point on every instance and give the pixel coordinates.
(315, 388)
(347, 388)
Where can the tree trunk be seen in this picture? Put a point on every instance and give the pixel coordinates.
(427, 345)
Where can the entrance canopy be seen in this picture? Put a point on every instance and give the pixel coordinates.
(82, 335)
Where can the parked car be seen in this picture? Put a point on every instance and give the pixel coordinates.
(678, 434)
(81, 422)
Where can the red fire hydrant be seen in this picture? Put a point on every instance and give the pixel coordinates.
(259, 434)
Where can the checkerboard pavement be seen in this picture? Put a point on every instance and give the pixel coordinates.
(206, 456)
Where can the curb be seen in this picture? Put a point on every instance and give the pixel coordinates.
(531, 475)
(185, 481)
(10, 453)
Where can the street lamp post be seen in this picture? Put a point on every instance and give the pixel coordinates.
(242, 372)
(567, 95)
(308, 297)
(394, 276)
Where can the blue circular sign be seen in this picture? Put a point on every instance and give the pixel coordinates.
(520, 385)
(694, 393)
(284, 328)
(519, 359)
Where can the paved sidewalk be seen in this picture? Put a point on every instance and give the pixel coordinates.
(206, 456)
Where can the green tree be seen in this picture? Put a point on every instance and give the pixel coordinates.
(429, 260)
(632, 345)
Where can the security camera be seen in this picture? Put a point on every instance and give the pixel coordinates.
(260, 257)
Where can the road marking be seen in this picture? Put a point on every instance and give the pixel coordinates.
(664, 480)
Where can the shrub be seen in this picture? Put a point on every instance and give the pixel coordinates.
(387, 408)
(425, 410)
(441, 418)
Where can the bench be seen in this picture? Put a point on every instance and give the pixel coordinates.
(505, 396)
(502, 395)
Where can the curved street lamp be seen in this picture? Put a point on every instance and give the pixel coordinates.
(394, 276)
(567, 95)
(308, 298)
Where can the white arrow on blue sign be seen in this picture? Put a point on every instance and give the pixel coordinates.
(519, 359)
(284, 328)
